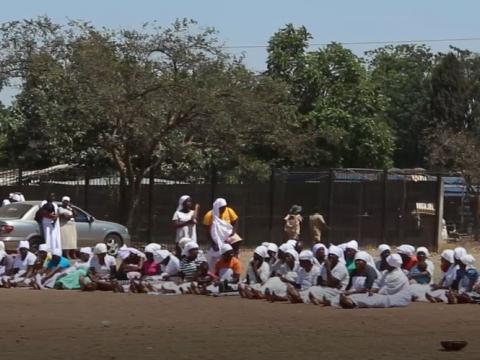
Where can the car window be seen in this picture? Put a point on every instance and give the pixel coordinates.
(80, 216)
(14, 211)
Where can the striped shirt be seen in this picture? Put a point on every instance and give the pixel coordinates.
(189, 268)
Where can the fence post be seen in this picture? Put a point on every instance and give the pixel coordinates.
(438, 213)
(20, 177)
(331, 179)
(151, 184)
(384, 206)
(87, 186)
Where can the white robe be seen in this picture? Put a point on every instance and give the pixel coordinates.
(51, 230)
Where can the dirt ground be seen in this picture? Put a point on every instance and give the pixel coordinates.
(75, 325)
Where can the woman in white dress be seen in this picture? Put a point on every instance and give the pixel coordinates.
(50, 223)
(68, 229)
(185, 221)
(437, 293)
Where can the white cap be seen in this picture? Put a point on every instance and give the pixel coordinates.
(448, 255)
(43, 247)
(189, 246)
(161, 255)
(272, 247)
(424, 250)
(383, 247)
(225, 248)
(459, 252)
(86, 250)
(306, 255)
(184, 241)
(468, 260)
(150, 248)
(319, 246)
(261, 251)
(100, 248)
(57, 252)
(362, 255)
(24, 244)
(66, 198)
(408, 250)
(394, 260)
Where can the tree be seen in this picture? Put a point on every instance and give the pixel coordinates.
(401, 75)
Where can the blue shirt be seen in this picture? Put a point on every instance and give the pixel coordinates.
(63, 263)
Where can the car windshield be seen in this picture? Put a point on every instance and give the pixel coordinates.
(14, 211)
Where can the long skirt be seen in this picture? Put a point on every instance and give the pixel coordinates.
(274, 285)
(400, 299)
(68, 235)
(419, 291)
(51, 233)
(320, 292)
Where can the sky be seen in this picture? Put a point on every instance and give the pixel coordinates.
(250, 22)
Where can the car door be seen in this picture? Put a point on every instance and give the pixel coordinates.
(85, 234)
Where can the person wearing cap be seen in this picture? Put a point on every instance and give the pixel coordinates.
(423, 271)
(463, 289)
(384, 251)
(293, 221)
(185, 221)
(102, 272)
(228, 267)
(333, 278)
(68, 229)
(23, 267)
(190, 262)
(393, 289)
(54, 268)
(407, 253)
(50, 222)
(221, 224)
(437, 292)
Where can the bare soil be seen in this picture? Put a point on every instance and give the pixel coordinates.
(76, 325)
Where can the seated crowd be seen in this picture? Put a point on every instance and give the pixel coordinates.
(338, 275)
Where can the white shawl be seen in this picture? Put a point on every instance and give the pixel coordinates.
(220, 229)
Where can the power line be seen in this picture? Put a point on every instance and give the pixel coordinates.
(365, 43)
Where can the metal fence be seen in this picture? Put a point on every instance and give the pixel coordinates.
(371, 206)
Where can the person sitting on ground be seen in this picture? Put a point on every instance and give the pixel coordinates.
(54, 268)
(131, 265)
(272, 254)
(228, 268)
(458, 253)
(70, 279)
(293, 221)
(169, 265)
(23, 267)
(463, 288)
(308, 275)
(332, 280)
(190, 261)
(384, 251)
(437, 293)
(320, 252)
(6, 262)
(204, 280)
(351, 249)
(422, 273)
(258, 271)
(393, 289)
(102, 272)
(407, 253)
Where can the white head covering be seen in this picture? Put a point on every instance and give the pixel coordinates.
(459, 252)
(319, 246)
(383, 247)
(100, 248)
(66, 198)
(43, 247)
(261, 251)
(161, 255)
(217, 204)
(284, 247)
(57, 252)
(2, 246)
(337, 251)
(86, 250)
(272, 247)
(448, 255)
(189, 246)
(292, 252)
(362, 255)
(292, 243)
(468, 259)
(225, 248)
(352, 244)
(342, 246)
(24, 244)
(17, 197)
(3, 253)
(150, 248)
(405, 249)
(306, 255)
(182, 199)
(395, 261)
(424, 250)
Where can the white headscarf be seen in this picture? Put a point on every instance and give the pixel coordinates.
(161, 255)
(306, 255)
(220, 229)
(408, 250)
(57, 252)
(382, 248)
(448, 255)
(150, 248)
(292, 242)
(261, 251)
(395, 261)
(125, 251)
(285, 246)
(100, 248)
(459, 252)
(319, 246)
(338, 252)
(352, 244)
(292, 252)
(468, 260)
(365, 256)
(182, 199)
(272, 247)
(424, 250)
(86, 250)
(189, 246)
(43, 247)
(24, 244)
(225, 248)
(66, 198)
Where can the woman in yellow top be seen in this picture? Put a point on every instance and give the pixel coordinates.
(221, 224)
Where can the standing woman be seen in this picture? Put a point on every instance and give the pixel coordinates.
(185, 221)
(50, 223)
(221, 223)
(68, 229)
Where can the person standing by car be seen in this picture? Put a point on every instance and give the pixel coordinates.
(50, 223)
(68, 229)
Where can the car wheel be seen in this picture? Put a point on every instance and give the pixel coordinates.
(113, 242)
(35, 243)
